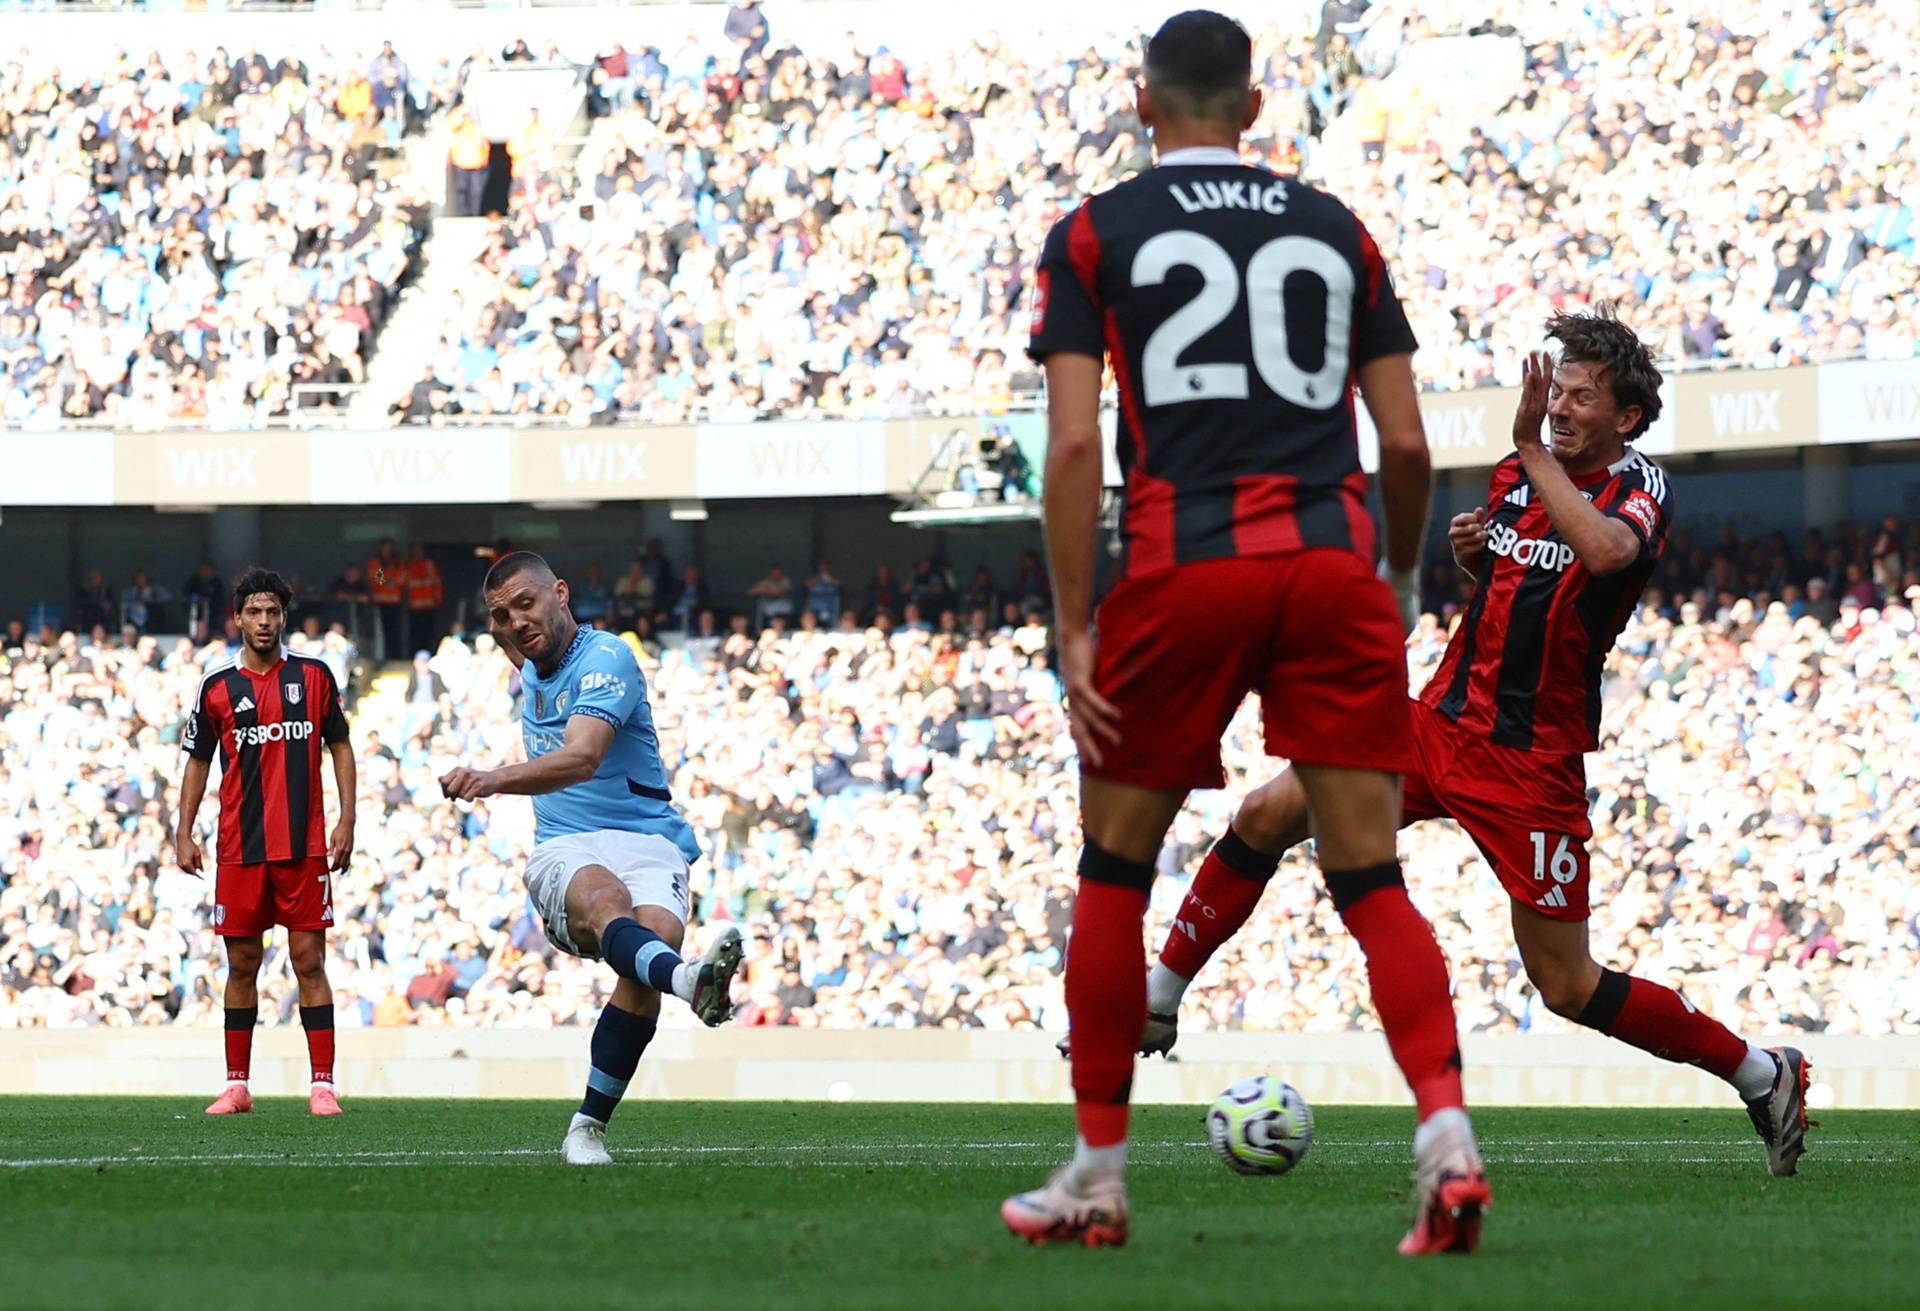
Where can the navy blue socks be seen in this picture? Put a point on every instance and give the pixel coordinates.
(639, 954)
(618, 1040)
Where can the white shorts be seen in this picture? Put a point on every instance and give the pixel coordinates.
(653, 869)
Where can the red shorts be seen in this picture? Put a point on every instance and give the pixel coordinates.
(1315, 633)
(1527, 812)
(250, 899)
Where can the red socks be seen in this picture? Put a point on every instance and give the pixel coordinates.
(1408, 976)
(1106, 991)
(1222, 897)
(240, 1022)
(318, 1021)
(1658, 1020)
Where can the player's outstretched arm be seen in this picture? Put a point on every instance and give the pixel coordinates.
(1604, 545)
(574, 762)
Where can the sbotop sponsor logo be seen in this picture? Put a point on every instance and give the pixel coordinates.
(1530, 552)
(298, 730)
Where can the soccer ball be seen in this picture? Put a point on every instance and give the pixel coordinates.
(1260, 1126)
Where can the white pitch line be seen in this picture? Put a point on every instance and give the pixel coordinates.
(900, 1154)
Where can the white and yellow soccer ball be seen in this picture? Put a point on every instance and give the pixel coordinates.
(1260, 1126)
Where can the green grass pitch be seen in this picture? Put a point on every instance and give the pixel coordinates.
(145, 1202)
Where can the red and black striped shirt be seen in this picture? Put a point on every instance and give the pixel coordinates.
(268, 729)
(1234, 305)
(1523, 668)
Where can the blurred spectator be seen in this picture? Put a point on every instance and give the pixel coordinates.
(469, 152)
(772, 596)
(425, 686)
(143, 603)
(425, 595)
(386, 586)
(635, 594)
(592, 599)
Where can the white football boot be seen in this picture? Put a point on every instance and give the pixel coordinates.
(585, 1143)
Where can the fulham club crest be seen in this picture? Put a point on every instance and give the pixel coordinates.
(292, 693)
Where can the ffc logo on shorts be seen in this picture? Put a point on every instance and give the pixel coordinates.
(219, 914)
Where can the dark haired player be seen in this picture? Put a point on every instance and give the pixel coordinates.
(1239, 310)
(1572, 529)
(268, 714)
(608, 873)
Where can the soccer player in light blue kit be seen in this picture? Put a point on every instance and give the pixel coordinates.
(608, 872)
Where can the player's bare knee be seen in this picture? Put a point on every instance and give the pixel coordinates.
(1565, 987)
(1274, 818)
(244, 955)
(309, 960)
(595, 899)
(663, 922)
(1355, 814)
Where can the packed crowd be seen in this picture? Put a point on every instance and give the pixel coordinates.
(188, 240)
(888, 807)
(779, 231)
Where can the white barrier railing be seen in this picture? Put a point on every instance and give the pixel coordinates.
(913, 1065)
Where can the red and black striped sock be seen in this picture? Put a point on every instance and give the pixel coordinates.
(1106, 991)
(240, 1022)
(1222, 897)
(1408, 976)
(1659, 1020)
(318, 1022)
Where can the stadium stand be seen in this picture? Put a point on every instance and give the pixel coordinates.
(760, 229)
(195, 242)
(888, 809)
(801, 236)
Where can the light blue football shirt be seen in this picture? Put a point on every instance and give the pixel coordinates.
(598, 676)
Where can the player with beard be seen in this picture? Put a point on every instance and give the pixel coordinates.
(268, 715)
(609, 868)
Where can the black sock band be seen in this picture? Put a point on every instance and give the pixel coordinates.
(317, 1017)
(1348, 886)
(1101, 866)
(1243, 860)
(242, 1017)
(1609, 996)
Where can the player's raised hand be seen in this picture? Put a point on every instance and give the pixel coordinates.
(463, 784)
(187, 851)
(1091, 718)
(1467, 535)
(1536, 373)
